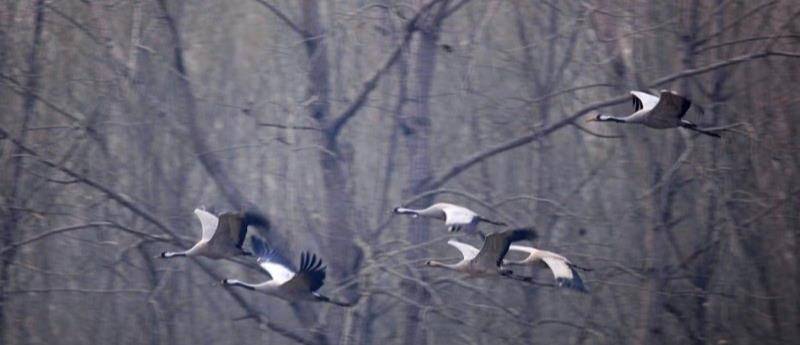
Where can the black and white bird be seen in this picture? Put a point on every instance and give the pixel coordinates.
(563, 270)
(455, 217)
(487, 261)
(663, 111)
(286, 283)
(222, 236)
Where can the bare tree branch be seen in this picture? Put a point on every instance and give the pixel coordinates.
(79, 227)
(122, 199)
(275, 125)
(369, 85)
(284, 18)
(459, 167)
(77, 290)
(744, 40)
(595, 134)
(126, 202)
(21, 90)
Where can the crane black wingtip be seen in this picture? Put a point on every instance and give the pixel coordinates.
(575, 283)
(256, 219)
(526, 233)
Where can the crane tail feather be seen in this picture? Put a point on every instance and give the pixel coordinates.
(487, 220)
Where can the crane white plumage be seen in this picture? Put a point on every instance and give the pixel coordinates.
(286, 283)
(456, 218)
(663, 111)
(563, 270)
(222, 236)
(468, 252)
(208, 223)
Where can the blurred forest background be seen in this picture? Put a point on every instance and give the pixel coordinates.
(118, 118)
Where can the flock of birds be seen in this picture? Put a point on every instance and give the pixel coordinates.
(223, 236)
(490, 259)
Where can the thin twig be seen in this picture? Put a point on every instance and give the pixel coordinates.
(587, 131)
(461, 166)
(275, 125)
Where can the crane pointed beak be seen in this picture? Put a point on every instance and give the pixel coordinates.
(591, 119)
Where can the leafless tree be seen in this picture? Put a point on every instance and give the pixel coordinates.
(118, 118)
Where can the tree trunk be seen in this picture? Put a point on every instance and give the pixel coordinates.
(16, 183)
(417, 130)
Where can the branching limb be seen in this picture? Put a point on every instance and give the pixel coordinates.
(79, 227)
(284, 18)
(592, 133)
(78, 290)
(275, 125)
(372, 82)
(459, 167)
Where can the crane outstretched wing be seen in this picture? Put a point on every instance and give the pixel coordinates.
(457, 215)
(672, 105)
(467, 251)
(643, 100)
(311, 275)
(495, 247)
(271, 261)
(208, 222)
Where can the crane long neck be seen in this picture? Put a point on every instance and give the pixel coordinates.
(234, 282)
(167, 255)
(610, 118)
(403, 210)
(434, 263)
(429, 212)
(269, 286)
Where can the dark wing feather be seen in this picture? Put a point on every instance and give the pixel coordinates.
(232, 227)
(637, 103)
(575, 283)
(671, 105)
(495, 247)
(311, 275)
(685, 105)
(227, 232)
(240, 234)
(256, 219)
